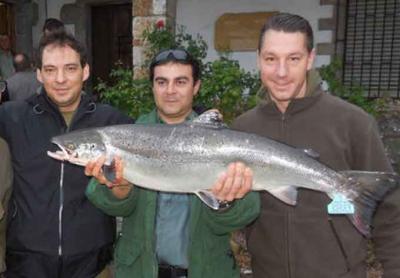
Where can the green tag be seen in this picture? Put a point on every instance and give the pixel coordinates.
(340, 205)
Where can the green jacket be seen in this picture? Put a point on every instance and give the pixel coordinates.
(210, 254)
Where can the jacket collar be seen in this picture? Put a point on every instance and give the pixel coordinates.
(42, 103)
(313, 93)
(154, 118)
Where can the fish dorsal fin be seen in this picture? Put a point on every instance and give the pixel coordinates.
(287, 194)
(311, 153)
(211, 118)
(208, 198)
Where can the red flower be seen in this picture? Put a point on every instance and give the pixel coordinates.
(160, 24)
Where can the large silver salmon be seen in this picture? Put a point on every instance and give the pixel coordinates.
(189, 157)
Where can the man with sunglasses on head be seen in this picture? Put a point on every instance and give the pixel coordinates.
(170, 234)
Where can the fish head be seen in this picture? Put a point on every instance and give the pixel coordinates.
(79, 147)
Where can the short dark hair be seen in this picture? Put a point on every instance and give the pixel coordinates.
(288, 23)
(61, 39)
(21, 62)
(175, 55)
(53, 25)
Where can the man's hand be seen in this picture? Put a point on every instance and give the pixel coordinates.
(233, 184)
(120, 187)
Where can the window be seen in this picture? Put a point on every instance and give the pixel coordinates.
(372, 47)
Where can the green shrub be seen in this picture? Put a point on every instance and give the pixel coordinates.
(228, 88)
(354, 94)
(132, 96)
(163, 36)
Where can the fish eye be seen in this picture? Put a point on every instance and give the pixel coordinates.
(70, 146)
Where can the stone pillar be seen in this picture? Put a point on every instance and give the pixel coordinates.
(146, 13)
(26, 15)
(336, 24)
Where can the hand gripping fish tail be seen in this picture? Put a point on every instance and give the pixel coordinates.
(370, 188)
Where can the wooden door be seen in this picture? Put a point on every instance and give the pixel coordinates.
(111, 39)
(7, 21)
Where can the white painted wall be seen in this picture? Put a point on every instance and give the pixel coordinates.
(199, 16)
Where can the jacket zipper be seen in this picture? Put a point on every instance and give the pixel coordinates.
(288, 217)
(340, 243)
(289, 212)
(154, 240)
(60, 211)
(283, 119)
(61, 204)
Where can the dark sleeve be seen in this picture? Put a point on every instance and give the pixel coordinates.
(370, 155)
(103, 198)
(2, 121)
(10, 114)
(386, 234)
(4, 96)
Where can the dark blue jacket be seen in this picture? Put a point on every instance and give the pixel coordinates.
(49, 213)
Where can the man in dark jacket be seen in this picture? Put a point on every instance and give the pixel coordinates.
(53, 230)
(305, 241)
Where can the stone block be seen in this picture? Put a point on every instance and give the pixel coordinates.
(141, 23)
(71, 13)
(140, 72)
(142, 7)
(159, 7)
(137, 55)
(325, 49)
(327, 2)
(137, 42)
(326, 24)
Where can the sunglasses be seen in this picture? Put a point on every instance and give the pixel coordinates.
(171, 54)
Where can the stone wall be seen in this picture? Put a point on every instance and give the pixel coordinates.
(145, 14)
(389, 125)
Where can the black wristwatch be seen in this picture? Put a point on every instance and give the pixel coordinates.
(224, 205)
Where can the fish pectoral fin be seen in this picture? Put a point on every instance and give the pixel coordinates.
(287, 194)
(109, 171)
(208, 198)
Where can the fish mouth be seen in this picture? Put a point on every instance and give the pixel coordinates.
(65, 155)
(62, 154)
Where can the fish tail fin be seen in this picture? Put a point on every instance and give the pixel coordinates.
(208, 198)
(369, 189)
